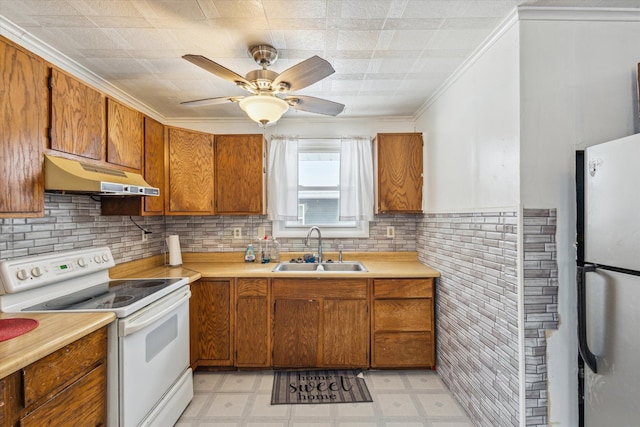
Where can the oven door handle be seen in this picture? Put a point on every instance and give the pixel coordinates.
(128, 326)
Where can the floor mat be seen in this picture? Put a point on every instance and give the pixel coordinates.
(327, 386)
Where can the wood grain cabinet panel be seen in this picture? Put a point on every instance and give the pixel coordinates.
(124, 136)
(83, 400)
(239, 167)
(211, 301)
(189, 182)
(295, 333)
(399, 172)
(153, 174)
(60, 389)
(23, 103)
(252, 323)
(320, 323)
(402, 323)
(78, 117)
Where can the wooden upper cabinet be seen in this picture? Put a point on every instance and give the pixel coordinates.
(153, 174)
(239, 167)
(77, 117)
(124, 135)
(190, 172)
(400, 172)
(154, 164)
(23, 101)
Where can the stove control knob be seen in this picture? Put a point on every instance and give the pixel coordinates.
(22, 274)
(36, 272)
(82, 262)
(97, 259)
(105, 257)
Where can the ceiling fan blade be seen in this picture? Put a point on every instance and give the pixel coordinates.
(217, 69)
(314, 105)
(212, 101)
(304, 74)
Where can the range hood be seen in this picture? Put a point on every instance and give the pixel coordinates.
(71, 176)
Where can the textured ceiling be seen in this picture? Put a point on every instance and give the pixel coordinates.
(389, 55)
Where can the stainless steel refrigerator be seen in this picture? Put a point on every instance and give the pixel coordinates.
(608, 279)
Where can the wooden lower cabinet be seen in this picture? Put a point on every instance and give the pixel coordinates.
(402, 324)
(211, 323)
(320, 323)
(253, 341)
(68, 385)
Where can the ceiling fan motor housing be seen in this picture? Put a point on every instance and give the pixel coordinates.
(264, 55)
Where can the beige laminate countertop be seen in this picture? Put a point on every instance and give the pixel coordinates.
(229, 265)
(54, 332)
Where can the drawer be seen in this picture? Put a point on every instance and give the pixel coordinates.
(403, 349)
(403, 314)
(403, 288)
(64, 366)
(314, 288)
(85, 399)
(251, 287)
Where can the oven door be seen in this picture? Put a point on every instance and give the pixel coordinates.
(153, 347)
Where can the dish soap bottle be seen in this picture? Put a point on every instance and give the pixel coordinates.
(250, 254)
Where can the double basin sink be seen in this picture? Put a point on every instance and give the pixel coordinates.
(346, 266)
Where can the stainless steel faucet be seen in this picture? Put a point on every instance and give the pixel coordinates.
(315, 227)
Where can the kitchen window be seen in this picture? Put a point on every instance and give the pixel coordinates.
(323, 182)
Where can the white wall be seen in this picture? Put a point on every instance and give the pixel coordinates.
(578, 89)
(471, 133)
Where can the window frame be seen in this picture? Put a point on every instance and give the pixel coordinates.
(345, 230)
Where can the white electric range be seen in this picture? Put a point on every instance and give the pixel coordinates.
(149, 382)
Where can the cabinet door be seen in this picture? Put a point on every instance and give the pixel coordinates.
(23, 113)
(252, 323)
(154, 164)
(214, 322)
(153, 174)
(399, 167)
(239, 174)
(345, 333)
(77, 117)
(295, 333)
(124, 136)
(190, 178)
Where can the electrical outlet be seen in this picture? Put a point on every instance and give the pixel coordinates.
(261, 232)
(237, 233)
(144, 236)
(391, 232)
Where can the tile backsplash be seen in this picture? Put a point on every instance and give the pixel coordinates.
(75, 222)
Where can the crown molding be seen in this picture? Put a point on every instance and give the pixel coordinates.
(604, 14)
(532, 13)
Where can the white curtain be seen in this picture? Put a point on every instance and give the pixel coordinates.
(282, 180)
(356, 180)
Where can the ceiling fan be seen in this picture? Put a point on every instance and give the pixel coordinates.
(269, 100)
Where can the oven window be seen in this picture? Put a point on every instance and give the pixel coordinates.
(161, 337)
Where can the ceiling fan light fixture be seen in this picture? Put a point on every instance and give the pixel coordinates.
(264, 109)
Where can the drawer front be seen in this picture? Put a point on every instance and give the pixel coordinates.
(251, 287)
(403, 288)
(85, 399)
(64, 366)
(403, 315)
(403, 349)
(319, 288)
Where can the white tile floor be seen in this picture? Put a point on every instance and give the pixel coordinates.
(400, 399)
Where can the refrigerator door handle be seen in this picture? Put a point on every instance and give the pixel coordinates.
(589, 358)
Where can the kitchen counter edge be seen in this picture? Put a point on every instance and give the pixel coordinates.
(55, 330)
